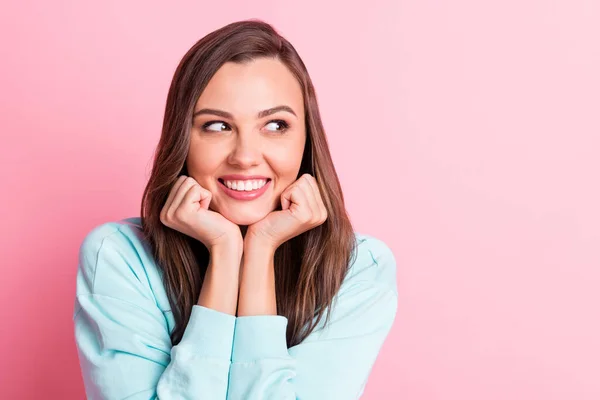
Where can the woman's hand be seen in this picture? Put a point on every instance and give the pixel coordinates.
(302, 209)
(186, 210)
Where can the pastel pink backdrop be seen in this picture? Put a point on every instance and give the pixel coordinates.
(465, 133)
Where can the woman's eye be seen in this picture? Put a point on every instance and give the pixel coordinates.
(219, 126)
(282, 125)
(215, 126)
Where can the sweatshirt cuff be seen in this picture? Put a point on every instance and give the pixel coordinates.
(209, 333)
(259, 336)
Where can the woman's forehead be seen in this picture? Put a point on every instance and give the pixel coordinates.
(246, 89)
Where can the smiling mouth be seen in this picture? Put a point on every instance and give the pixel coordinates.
(222, 181)
(243, 194)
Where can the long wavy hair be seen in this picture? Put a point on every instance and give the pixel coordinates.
(309, 268)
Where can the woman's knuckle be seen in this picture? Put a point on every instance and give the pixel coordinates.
(306, 218)
(179, 214)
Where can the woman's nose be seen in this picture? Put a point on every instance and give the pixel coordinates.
(246, 151)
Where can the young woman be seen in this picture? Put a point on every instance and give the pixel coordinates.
(243, 277)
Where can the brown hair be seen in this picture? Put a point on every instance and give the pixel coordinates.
(309, 268)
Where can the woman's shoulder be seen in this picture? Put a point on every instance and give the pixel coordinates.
(368, 297)
(373, 262)
(113, 239)
(127, 226)
(115, 260)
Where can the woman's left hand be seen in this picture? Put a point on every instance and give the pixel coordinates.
(302, 209)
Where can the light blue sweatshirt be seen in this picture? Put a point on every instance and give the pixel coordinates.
(122, 321)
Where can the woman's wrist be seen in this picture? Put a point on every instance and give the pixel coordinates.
(257, 280)
(254, 243)
(221, 281)
(259, 240)
(226, 251)
(233, 244)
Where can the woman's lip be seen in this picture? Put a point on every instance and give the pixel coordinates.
(237, 177)
(250, 195)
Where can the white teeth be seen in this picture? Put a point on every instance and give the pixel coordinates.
(246, 186)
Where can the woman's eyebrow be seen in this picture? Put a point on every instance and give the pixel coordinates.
(261, 114)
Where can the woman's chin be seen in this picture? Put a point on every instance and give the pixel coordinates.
(243, 218)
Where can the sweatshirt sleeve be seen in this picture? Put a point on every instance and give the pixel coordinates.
(334, 361)
(122, 338)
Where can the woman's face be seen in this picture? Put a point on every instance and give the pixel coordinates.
(234, 133)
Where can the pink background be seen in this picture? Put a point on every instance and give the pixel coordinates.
(466, 136)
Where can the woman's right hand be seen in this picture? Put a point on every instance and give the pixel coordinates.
(186, 210)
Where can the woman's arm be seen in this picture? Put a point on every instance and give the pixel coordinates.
(221, 282)
(302, 210)
(257, 281)
(122, 336)
(334, 361)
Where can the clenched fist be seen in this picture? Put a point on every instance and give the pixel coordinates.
(186, 210)
(302, 210)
